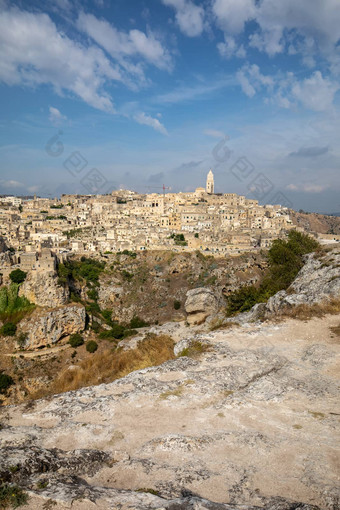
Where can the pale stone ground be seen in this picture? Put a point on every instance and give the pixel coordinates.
(254, 418)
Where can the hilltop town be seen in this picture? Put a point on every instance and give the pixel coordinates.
(125, 220)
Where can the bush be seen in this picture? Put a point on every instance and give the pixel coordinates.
(136, 323)
(5, 382)
(12, 496)
(76, 340)
(117, 332)
(21, 340)
(91, 346)
(8, 329)
(17, 276)
(285, 258)
(177, 305)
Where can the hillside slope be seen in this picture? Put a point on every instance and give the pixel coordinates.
(313, 222)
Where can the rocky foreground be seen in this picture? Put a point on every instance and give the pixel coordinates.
(249, 423)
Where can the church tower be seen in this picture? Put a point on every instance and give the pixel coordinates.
(210, 183)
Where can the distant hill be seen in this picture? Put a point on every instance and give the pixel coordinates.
(314, 222)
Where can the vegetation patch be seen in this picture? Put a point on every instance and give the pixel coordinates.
(285, 259)
(306, 312)
(76, 340)
(91, 346)
(150, 491)
(12, 496)
(84, 269)
(17, 276)
(109, 365)
(195, 349)
(12, 307)
(5, 382)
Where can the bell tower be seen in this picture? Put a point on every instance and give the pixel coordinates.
(210, 183)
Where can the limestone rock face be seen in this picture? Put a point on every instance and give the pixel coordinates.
(42, 289)
(250, 424)
(200, 303)
(318, 281)
(49, 327)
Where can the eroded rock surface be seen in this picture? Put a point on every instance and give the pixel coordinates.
(249, 424)
(45, 326)
(42, 289)
(317, 282)
(201, 303)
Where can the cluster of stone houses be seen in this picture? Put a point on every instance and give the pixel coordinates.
(219, 224)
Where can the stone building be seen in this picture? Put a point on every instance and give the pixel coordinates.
(210, 183)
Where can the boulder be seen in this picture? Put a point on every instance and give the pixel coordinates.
(43, 289)
(50, 326)
(200, 303)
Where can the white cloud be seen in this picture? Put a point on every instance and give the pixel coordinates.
(11, 184)
(214, 133)
(55, 116)
(316, 93)
(189, 17)
(307, 187)
(121, 44)
(252, 80)
(231, 15)
(229, 48)
(147, 120)
(34, 52)
(191, 93)
(298, 27)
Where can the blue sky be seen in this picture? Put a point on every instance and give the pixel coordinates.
(157, 92)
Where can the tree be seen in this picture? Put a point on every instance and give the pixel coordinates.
(17, 276)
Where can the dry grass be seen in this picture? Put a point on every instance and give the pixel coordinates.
(221, 324)
(195, 349)
(108, 365)
(336, 330)
(307, 312)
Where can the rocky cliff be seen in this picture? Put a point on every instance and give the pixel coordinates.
(317, 282)
(42, 289)
(49, 326)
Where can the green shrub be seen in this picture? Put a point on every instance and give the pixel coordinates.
(91, 346)
(17, 276)
(107, 314)
(117, 332)
(12, 496)
(5, 382)
(242, 300)
(8, 329)
(126, 275)
(285, 258)
(85, 268)
(76, 340)
(136, 323)
(177, 305)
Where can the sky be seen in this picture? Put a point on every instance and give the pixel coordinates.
(136, 94)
